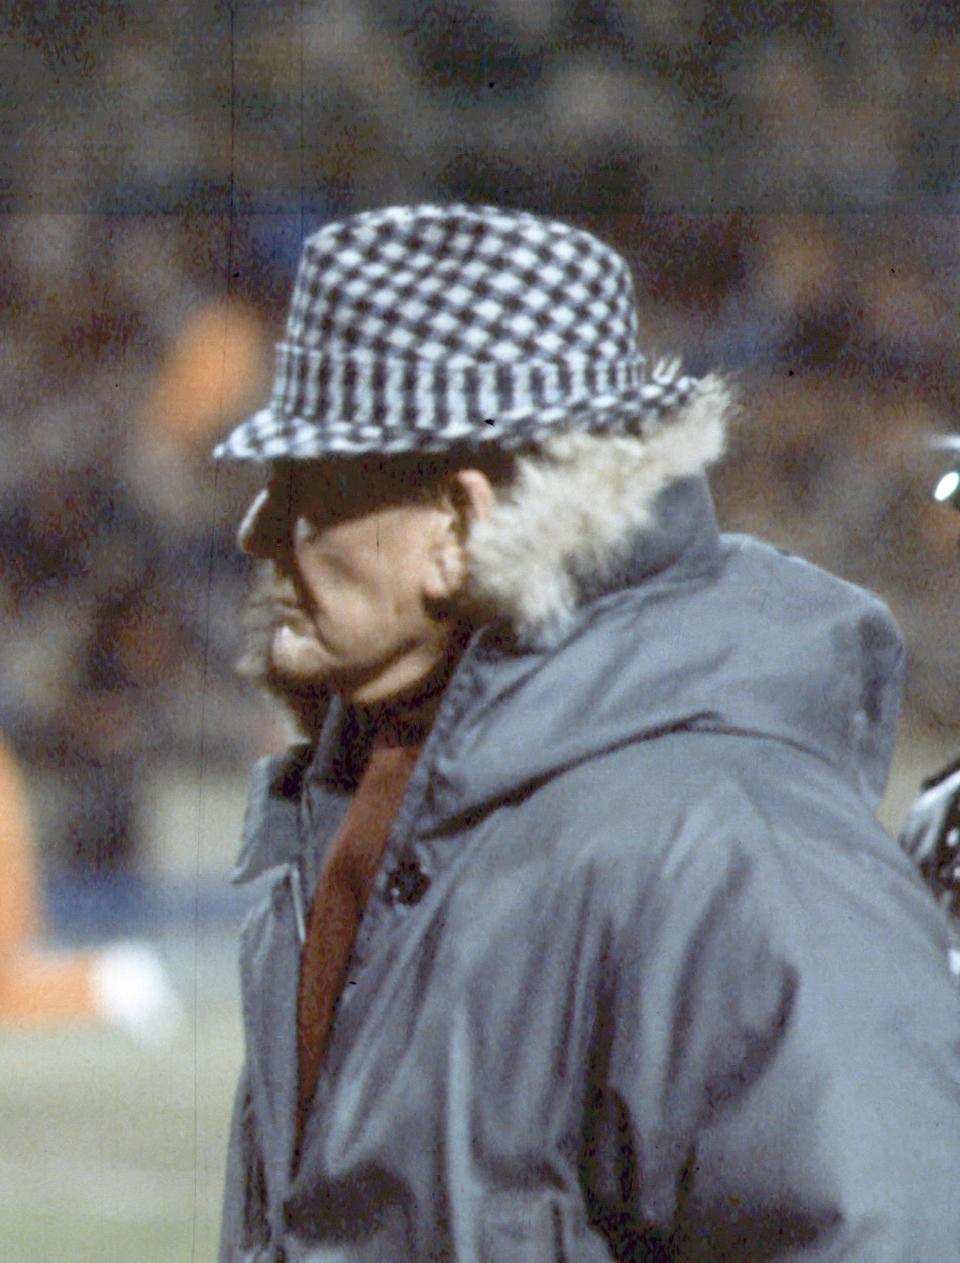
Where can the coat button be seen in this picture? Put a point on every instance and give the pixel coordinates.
(408, 883)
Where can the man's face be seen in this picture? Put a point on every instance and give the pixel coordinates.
(350, 578)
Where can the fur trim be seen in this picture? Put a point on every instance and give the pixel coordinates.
(575, 509)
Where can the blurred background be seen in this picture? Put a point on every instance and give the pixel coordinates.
(785, 179)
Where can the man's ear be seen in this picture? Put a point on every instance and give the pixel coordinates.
(467, 496)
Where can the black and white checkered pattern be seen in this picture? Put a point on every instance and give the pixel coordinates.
(423, 328)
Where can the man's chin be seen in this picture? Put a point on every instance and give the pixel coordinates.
(301, 661)
(297, 658)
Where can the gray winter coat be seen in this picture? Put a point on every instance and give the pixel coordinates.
(641, 978)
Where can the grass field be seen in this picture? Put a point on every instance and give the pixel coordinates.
(112, 1152)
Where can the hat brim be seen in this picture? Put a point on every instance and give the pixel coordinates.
(269, 435)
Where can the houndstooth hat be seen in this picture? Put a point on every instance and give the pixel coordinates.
(429, 327)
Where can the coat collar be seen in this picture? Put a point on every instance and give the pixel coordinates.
(271, 827)
(576, 511)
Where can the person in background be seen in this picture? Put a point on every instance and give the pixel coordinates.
(122, 984)
(931, 831)
(579, 939)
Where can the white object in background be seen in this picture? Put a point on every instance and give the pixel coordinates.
(132, 990)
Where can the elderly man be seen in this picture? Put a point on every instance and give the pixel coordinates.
(580, 941)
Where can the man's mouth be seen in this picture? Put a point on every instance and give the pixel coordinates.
(290, 613)
(285, 610)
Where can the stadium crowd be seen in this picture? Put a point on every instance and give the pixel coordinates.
(784, 179)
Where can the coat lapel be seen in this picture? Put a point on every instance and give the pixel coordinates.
(295, 807)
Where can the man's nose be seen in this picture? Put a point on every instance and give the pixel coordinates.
(265, 529)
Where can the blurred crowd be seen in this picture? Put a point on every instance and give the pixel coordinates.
(784, 177)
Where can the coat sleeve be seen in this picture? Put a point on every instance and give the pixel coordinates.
(243, 1229)
(777, 1076)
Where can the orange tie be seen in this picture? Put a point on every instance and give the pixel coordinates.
(343, 888)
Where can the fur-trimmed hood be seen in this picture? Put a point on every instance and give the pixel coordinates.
(574, 513)
(624, 613)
